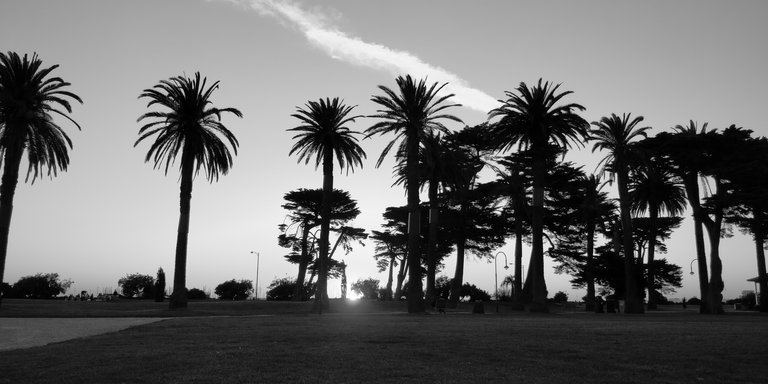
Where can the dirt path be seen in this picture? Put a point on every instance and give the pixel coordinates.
(18, 333)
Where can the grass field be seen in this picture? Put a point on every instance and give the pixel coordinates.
(377, 342)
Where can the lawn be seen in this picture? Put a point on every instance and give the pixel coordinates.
(377, 342)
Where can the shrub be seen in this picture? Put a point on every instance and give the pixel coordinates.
(234, 290)
(368, 288)
(197, 294)
(136, 284)
(560, 297)
(284, 288)
(41, 286)
(159, 288)
(474, 293)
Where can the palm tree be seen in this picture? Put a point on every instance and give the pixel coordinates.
(434, 169)
(188, 127)
(28, 100)
(322, 134)
(410, 114)
(654, 189)
(531, 119)
(617, 135)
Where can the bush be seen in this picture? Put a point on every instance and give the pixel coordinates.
(197, 294)
(694, 301)
(234, 290)
(137, 285)
(283, 290)
(560, 297)
(159, 288)
(368, 288)
(474, 293)
(40, 286)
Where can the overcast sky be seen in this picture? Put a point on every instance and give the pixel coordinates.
(111, 214)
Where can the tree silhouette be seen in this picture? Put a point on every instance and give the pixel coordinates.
(655, 190)
(749, 207)
(411, 113)
(531, 119)
(322, 134)
(513, 186)
(29, 98)
(617, 135)
(683, 149)
(304, 206)
(191, 128)
(595, 209)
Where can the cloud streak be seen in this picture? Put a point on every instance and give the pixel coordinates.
(319, 31)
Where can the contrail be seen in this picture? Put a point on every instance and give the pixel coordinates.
(317, 28)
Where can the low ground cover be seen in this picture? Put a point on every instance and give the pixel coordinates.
(380, 344)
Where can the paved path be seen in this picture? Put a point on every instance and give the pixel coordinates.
(18, 333)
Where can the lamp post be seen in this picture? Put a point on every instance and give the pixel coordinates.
(256, 288)
(496, 274)
(691, 265)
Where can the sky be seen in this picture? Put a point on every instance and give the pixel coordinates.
(112, 214)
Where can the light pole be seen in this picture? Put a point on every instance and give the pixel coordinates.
(256, 288)
(692, 265)
(496, 274)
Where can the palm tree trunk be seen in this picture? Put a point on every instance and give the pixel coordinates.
(633, 300)
(651, 280)
(590, 274)
(10, 179)
(298, 293)
(178, 298)
(538, 285)
(434, 212)
(415, 291)
(757, 232)
(692, 192)
(321, 302)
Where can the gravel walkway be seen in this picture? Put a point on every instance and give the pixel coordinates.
(18, 333)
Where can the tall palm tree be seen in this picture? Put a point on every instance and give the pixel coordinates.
(322, 134)
(654, 189)
(618, 136)
(187, 126)
(532, 119)
(410, 113)
(28, 100)
(434, 169)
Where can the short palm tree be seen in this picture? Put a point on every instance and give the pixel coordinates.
(411, 113)
(618, 135)
(323, 134)
(188, 126)
(531, 119)
(28, 100)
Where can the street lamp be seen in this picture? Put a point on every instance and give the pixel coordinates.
(496, 274)
(692, 265)
(256, 289)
